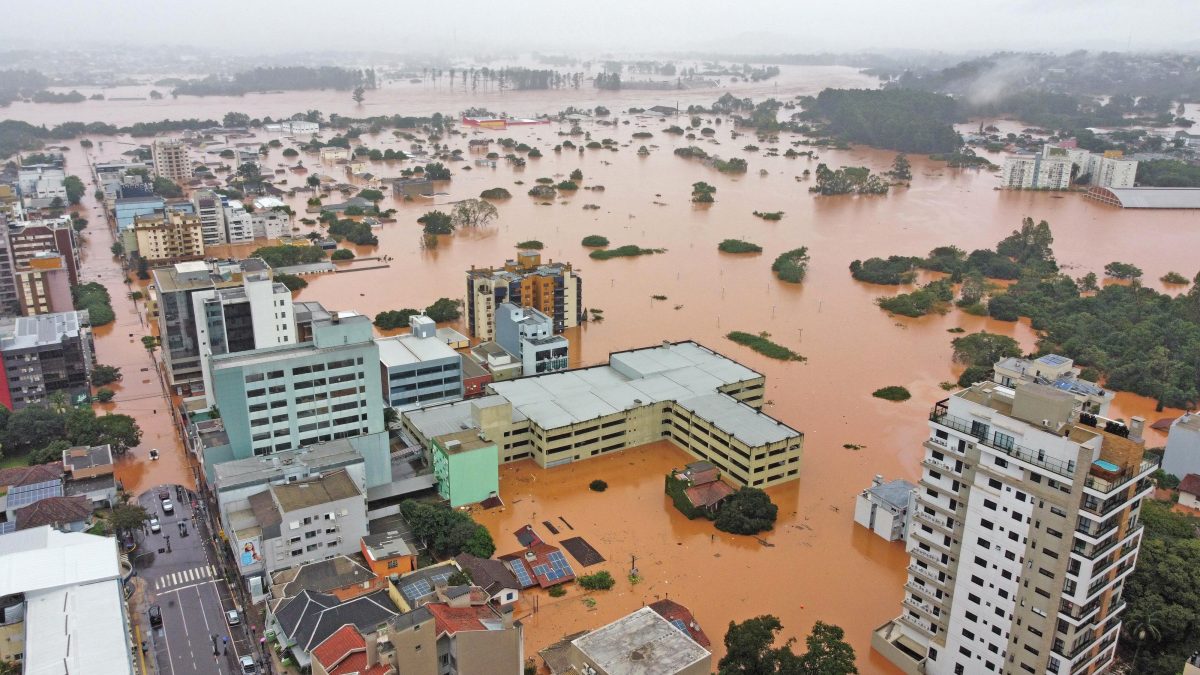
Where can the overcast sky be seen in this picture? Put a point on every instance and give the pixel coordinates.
(482, 26)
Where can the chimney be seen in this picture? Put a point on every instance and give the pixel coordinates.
(1137, 424)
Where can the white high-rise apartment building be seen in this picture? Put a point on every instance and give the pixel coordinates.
(1025, 528)
(1035, 172)
(171, 160)
(1115, 172)
(211, 212)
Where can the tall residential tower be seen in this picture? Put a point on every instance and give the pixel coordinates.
(553, 289)
(1025, 529)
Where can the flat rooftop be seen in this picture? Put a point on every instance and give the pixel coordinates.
(315, 491)
(87, 457)
(449, 418)
(641, 643)
(315, 458)
(467, 440)
(405, 350)
(26, 332)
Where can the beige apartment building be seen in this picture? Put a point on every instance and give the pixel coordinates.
(1025, 529)
(171, 160)
(169, 237)
(703, 402)
(43, 284)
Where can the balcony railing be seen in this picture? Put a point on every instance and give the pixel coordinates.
(928, 609)
(1035, 457)
(1107, 485)
(927, 555)
(936, 520)
(926, 574)
(938, 464)
(919, 623)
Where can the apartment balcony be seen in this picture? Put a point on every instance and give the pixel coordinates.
(925, 607)
(979, 432)
(1075, 615)
(939, 465)
(1080, 551)
(1095, 534)
(919, 624)
(1107, 486)
(1118, 503)
(928, 593)
(928, 575)
(1102, 585)
(933, 540)
(927, 556)
(1100, 644)
(935, 520)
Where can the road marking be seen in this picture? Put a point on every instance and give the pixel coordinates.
(184, 588)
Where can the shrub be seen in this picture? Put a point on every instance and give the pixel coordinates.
(293, 282)
(598, 485)
(557, 591)
(394, 318)
(597, 581)
(495, 193)
(1174, 278)
(764, 346)
(628, 251)
(675, 490)
(532, 243)
(930, 297)
(769, 215)
(973, 374)
(738, 246)
(747, 511)
(342, 254)
(792, 265)
(595, 240)
(893, 393)
(543, 192)
(285, 256)
(102, 375)
(568, 186)
(105, 395)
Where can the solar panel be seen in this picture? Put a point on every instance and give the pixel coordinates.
(417, 589)
(678, 623)
(522, 575)
(24, 495)
(560, 564)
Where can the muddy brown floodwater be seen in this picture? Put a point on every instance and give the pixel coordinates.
(819, 565)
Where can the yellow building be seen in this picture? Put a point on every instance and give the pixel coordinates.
(554, 289)
(703, 402)
(169, 237)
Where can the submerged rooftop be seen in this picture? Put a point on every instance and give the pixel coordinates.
(641, 643)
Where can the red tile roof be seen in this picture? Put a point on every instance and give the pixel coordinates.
(54, 511)
(708, 494)
(673, 611)
(1190, 484)
(28, 475)
(345, 653)
(450, 620)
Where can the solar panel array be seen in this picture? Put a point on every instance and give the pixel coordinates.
(24, 495)
(522, 574)
(678, 623)
(557, 568)
(422, 587)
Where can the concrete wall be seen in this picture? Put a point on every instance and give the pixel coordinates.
(1182, 455)
(490, 651)
(349, 519)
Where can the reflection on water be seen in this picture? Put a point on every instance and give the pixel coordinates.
(852, 346)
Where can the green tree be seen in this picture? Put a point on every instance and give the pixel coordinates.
(827, 653)
(1120, 270)
(437, 222)
(747, 511)
(342, 254)
(1030, 243)
(126, 518)
(372, 195)
(105, 395)
(597, 581)
(577, 175)
(293, 282)
(313, 181)
(32, 427)
(75, 189)
(702, 193)
(102, 374)
(444, 309)
(359, 95)
(749, 647)
(473, 213)
(165, 187)
(984, 349)
(395, 318)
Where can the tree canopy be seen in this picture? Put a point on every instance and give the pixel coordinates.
(750, 650)
(445, 531)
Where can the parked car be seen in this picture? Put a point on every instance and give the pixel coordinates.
(232, 617)
(164, 494)
(183, 529)
(248, 665)
(155, 617)
(154, 453)
(154, 526)
(168, 507)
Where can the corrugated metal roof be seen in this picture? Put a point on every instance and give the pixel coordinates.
(1157, 197)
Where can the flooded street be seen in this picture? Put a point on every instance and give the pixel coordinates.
(820, 565)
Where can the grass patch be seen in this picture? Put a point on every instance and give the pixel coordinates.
(557, 591)
(792, 265)
(532, 243)
(893, 393)
(761, 344)
(738, 246)
(595, 240)
(769, 215)
(628, 251)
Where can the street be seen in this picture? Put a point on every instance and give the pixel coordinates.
(181, 576)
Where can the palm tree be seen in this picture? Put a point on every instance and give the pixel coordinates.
(1143, 629)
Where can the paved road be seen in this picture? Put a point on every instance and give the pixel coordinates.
(185, 583)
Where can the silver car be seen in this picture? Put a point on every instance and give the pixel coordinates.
(232, 618)
(154, 526)
(248, 665)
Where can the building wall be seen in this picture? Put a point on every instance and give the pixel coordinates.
(414, 650)
(1182, 454)
(425, 383)
(43, 290)
(169, 237)
(1189, 500)
(46, 236)
(301, 395)
(334, 528)
(171, 160)
(545, 357)
(36, 373)
(489, 651)
(466, 477)
(1116, 172)
(9, 304)
(1036, 172)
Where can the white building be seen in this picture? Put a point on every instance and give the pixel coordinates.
(1035, 172)
(211, 211)
(1182, 455)
(72, 618)
(239, 224)
(885, 508)
(39, 184)
(1057, 371)
(1115, 172)
(255, 315)
(293, 127)
(1025, 528)
(171, 160)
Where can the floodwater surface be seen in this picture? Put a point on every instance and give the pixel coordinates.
(818, 564)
